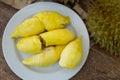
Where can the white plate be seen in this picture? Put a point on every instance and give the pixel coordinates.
(14, 58)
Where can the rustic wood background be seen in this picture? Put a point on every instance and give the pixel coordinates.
(100, 65)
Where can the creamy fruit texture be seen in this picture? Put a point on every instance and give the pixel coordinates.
(44, 36)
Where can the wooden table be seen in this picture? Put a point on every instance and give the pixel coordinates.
(100, 65)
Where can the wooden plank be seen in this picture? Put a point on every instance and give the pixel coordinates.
(99, 66)
(80, 11)
(5, 71)
(18, 3)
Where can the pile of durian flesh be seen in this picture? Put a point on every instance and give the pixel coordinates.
(44, 36)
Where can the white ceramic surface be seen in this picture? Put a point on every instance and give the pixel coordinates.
(14, 58)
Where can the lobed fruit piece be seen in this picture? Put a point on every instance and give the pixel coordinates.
(29, 27)
(30, 44)
(47, 57)
(52, 20)
(104, 24)
(57, 37)
(72, 54)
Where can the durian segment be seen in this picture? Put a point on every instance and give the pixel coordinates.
(28, 27)
(30, 45)
(47, 57)
(72, 54)
(52, 20)
(59, 49)
(57, 37)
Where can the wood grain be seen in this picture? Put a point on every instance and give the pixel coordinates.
(99, 66)
(6, 12)
(18, 3)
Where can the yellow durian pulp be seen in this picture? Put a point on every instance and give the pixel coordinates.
(57, 37)
(52, 19)
(28, 27)
(47, 57)
(72, 54)
(30, 44)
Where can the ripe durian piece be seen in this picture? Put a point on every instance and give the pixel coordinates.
(72, 54)
(57, 37)
(28, 27)
(59, 49)
(30, 44)
(47, 57)
(52, 20)
(104, 24)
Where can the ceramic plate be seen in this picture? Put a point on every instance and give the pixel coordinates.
(14, 58)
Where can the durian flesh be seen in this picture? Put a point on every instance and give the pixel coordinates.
(29, 27)
(57, 37)
(47, 57)
(72, 54)
(52, 20)
(30, 44)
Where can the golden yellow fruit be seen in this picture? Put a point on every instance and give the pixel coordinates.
(29, 27)
(57, 37)
(47, 57)
(72, 54)
(59, 49)
(52, 20)
(30, 44)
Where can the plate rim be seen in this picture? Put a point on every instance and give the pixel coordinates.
(3, 41)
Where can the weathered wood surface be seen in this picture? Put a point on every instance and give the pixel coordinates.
(100, 65)
(18, 4)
